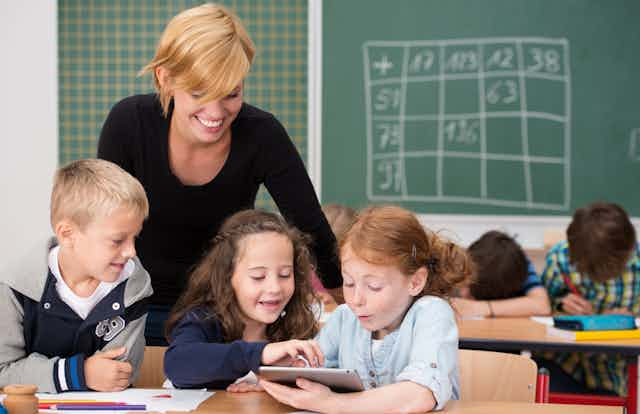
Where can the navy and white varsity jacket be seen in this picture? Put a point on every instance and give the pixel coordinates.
(44, 342)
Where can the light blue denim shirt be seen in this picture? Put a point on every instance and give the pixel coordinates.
(423, 350)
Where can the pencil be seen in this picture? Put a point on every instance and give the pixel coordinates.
(570, 285)
(48, 405)
(112, 407)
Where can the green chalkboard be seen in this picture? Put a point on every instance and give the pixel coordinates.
(481, 107)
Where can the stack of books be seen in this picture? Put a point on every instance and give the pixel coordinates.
(594, 327)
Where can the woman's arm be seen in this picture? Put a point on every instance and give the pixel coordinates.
(286, 178)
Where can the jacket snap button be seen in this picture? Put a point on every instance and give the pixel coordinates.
(47, 305)
(115, 306)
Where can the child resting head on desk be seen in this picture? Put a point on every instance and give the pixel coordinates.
(505, 282)
(596, 270)
(246, 299)
(396, 329)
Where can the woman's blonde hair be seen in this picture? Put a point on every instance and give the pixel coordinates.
(393, 236)
(90, 188)
(209, 285)
(205, 49)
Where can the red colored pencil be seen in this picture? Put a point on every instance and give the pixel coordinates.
(570, 285)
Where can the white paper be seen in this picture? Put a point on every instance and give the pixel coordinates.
(545, 320)
(180, 400)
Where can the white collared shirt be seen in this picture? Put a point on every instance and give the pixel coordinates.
(84, 305)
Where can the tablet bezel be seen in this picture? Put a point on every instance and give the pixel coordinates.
(338, 379)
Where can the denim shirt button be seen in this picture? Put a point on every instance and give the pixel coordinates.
(434, 365)
(373, 384)
(372, 374)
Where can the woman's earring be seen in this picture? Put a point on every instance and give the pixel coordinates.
(284, 312)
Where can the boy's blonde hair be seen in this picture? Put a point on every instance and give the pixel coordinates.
(89, 188)
(205, 49)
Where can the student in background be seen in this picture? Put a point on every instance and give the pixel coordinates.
(245, 301)
(73, 315)
(396, 329)
(340, 219)
(596, 270)
(201, 153)
(505, 283)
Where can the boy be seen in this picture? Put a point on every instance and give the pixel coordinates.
(505, 283)
(596, 270)
(75, 320)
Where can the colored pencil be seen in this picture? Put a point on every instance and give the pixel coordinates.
(570, 285)
(113, 407)
(48, 405)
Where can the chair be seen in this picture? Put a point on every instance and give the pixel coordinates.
(152, 370)
(496, 376)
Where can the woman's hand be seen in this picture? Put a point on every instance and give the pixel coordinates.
(310, 396)
(286, 353)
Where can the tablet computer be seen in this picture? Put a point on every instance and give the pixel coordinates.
(338, 379)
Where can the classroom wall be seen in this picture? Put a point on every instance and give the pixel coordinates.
(29, 132)
(28, 121)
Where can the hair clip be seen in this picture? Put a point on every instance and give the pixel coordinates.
(414, 253)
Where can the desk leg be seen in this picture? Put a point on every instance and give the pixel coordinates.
(632, 386)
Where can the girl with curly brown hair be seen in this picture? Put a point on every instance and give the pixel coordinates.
(245, 300)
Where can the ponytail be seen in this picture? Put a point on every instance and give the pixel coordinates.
(390, 235)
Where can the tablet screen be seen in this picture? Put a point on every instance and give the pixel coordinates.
(338, 379)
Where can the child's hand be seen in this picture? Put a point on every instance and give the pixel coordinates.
(285, 353)
(103, 373)
(311, 395)
(245, 386)
(576, 305)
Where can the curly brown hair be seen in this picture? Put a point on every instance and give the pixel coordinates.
(210, 287)
(390, 235)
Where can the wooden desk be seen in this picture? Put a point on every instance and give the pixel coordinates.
(500, 334)
(262, 403)
(498, 407)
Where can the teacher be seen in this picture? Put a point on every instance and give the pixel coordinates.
(201, 154)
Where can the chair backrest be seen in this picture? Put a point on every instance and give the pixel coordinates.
(152, 370)
(496, 376)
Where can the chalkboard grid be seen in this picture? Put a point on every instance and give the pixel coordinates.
(479, 121)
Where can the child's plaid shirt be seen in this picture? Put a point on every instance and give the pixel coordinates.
(596, 370)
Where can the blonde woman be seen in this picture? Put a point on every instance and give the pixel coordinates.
(201, 153)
